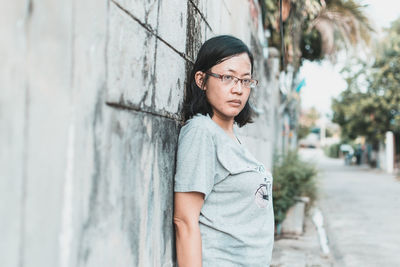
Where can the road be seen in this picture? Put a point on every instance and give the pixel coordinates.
(361, 208)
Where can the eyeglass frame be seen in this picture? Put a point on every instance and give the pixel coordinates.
(236, 79)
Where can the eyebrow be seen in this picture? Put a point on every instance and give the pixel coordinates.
(247, 73)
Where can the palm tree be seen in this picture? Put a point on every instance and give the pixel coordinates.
(343, 19)
(316, 29)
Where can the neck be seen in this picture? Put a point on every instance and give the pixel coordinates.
(225, 123)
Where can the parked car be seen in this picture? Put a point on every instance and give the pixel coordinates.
(310, 141)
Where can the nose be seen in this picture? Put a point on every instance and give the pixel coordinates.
(237, 87)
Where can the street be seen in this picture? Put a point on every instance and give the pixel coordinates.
(361, 208)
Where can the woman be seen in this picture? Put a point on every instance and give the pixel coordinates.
(223, 204)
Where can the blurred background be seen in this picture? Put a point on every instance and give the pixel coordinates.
(91, 95)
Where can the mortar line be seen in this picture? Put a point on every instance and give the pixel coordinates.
(149, 29)
(201, 15)
(168, 115)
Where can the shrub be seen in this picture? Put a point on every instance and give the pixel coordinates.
(293, 177)
(332, 151)
(303, 131)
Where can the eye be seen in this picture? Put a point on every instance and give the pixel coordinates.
(246, 82)
(227, 78)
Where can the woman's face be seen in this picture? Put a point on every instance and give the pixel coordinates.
(228, 100)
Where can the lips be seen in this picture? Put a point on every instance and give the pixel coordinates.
(236, 101)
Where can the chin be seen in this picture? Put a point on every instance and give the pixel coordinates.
(233, 114)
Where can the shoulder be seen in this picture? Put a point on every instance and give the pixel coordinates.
(199, 123)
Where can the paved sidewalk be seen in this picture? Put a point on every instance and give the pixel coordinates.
(300, 251)
(362, 209)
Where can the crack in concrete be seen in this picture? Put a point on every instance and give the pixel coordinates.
(149, 29)
(24, 178)
(154, 76)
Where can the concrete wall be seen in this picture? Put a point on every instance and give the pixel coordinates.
(90, 100)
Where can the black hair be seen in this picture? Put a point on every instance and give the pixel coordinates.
(211, 53)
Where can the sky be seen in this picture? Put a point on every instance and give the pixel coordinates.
(323, 80)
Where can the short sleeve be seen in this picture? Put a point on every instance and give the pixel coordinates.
(196, 158)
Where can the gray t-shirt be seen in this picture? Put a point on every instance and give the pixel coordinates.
(237, 219)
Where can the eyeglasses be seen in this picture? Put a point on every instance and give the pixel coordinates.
(230, 80)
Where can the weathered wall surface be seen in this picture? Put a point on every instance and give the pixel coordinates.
(90, 100)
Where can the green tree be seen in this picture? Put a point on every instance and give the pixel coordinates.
(370, 105)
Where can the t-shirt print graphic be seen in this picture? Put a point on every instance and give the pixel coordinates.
(263, 194)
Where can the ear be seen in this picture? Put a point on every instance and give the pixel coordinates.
(199, 78)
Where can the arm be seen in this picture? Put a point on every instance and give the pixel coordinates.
(187, 208)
